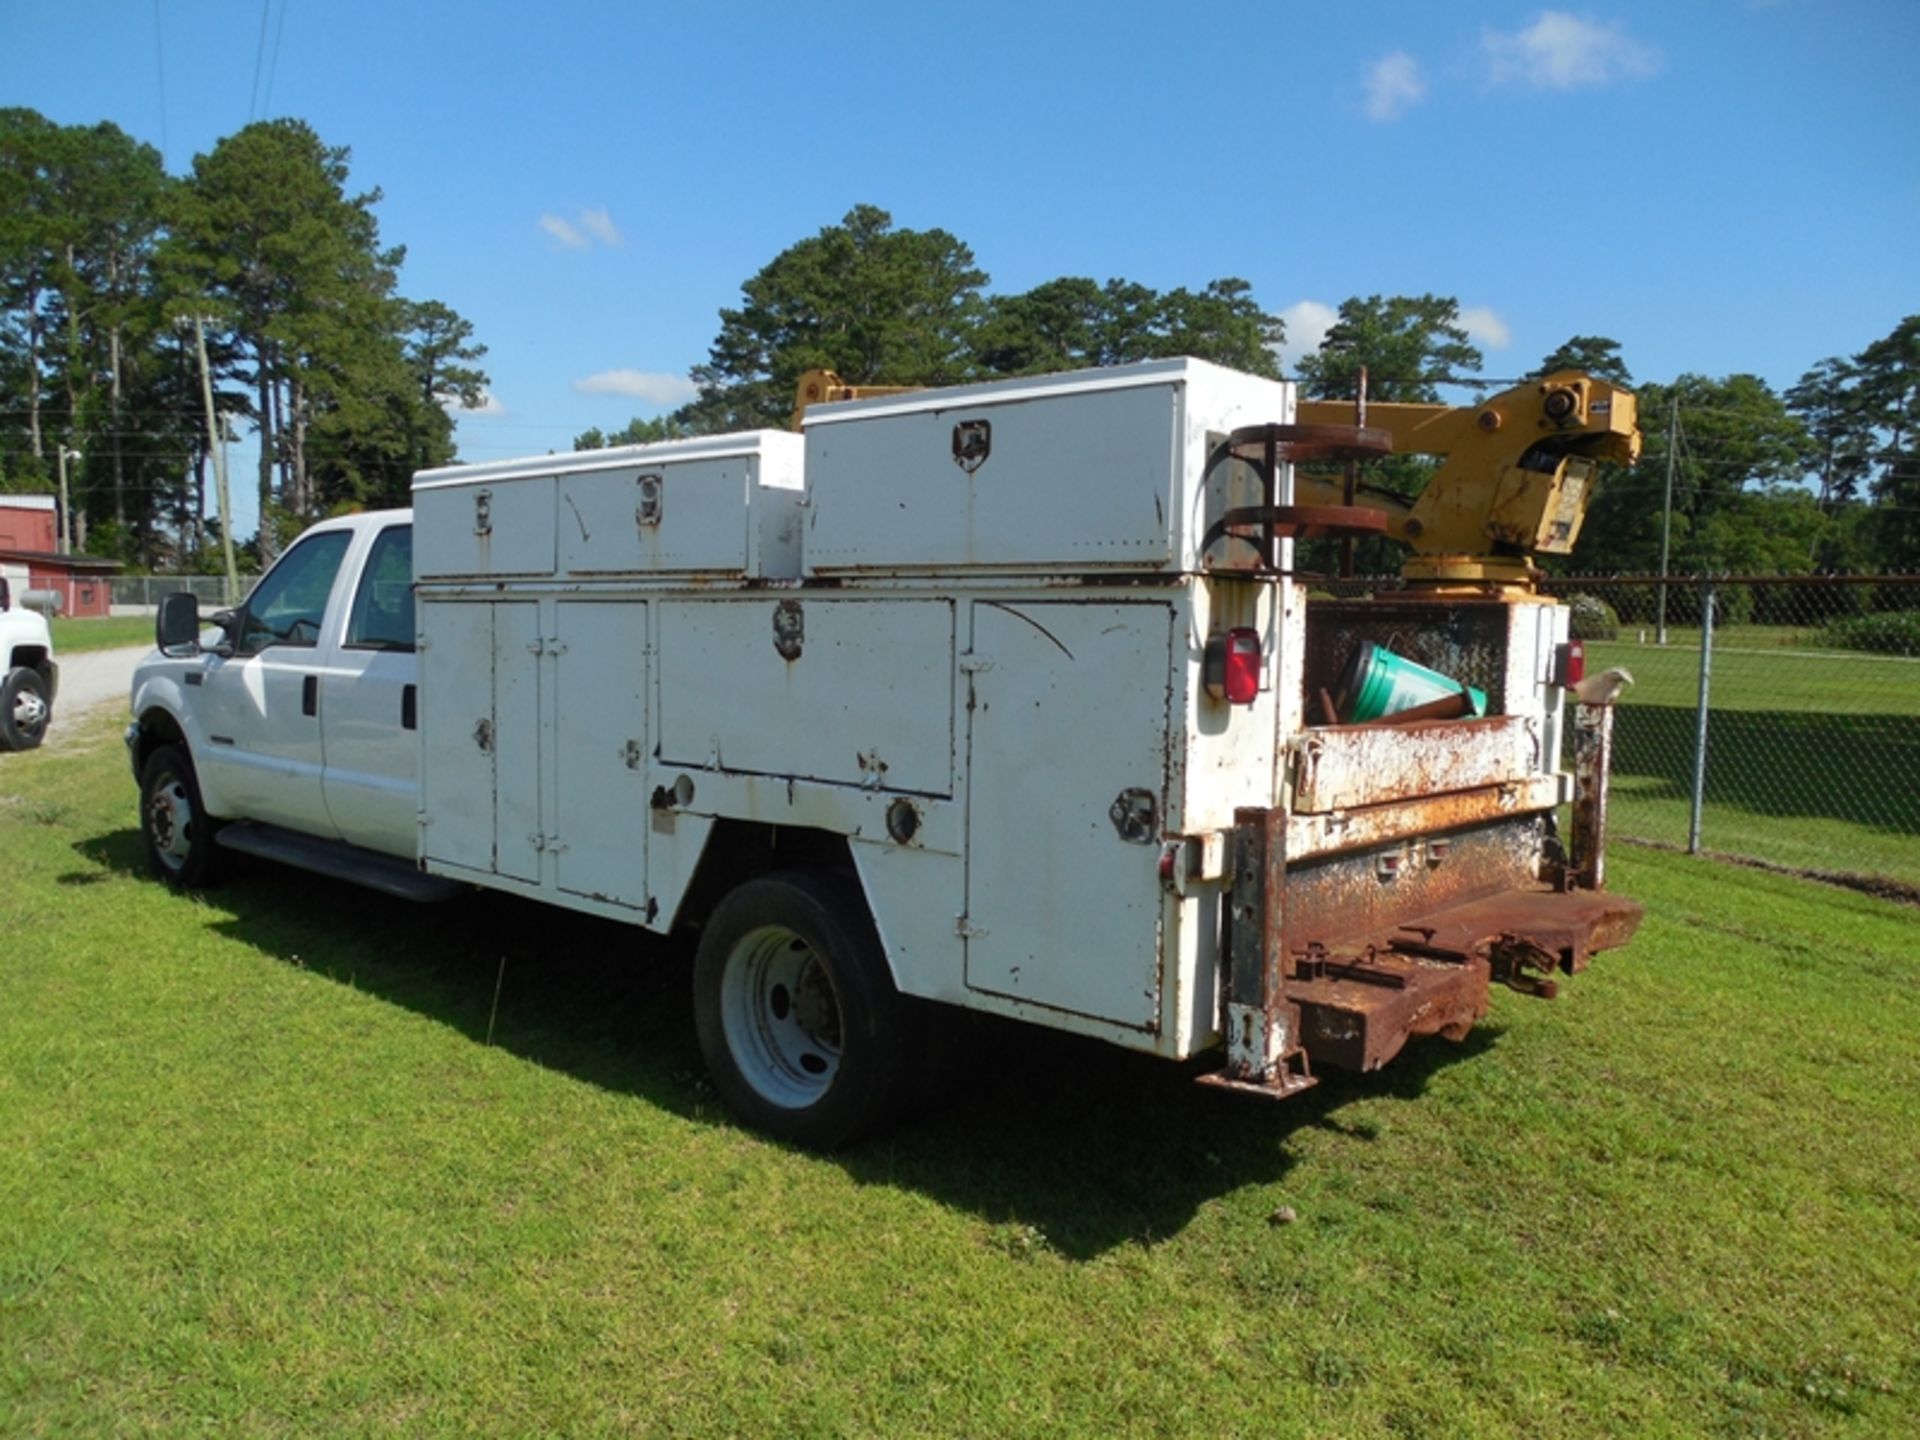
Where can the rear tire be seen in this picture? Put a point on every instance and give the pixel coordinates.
(173, 822)
(801, 1026)
(24, 709)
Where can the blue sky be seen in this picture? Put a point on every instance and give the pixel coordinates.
(1720, 185)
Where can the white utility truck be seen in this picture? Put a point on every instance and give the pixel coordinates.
(994, 697)
(29, 676)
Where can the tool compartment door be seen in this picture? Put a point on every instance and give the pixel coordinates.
(499, 528)
(692, 517)
(480, 725)
(1069, 716)
(601, 814)
(1082, 480)
(863, 694)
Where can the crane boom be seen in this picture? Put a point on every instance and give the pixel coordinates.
(1516, 474)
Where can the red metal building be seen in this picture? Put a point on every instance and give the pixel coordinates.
(30, 553)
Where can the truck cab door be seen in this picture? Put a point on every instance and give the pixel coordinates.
(262, 703)
(369, 705)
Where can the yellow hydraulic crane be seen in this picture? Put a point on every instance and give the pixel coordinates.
(1516, 474)
(817, 387)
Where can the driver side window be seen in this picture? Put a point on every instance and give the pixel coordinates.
(286, 607)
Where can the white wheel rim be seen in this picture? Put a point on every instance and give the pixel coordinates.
(781, 1016)
(170, 822)
(29, 712)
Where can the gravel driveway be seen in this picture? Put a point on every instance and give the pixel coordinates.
(89, 680)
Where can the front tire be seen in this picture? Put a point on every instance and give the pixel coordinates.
(174, 823)
(799, 1021)
(24, 709)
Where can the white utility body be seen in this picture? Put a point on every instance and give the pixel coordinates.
(914, 707)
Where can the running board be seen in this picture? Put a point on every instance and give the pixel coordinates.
(338, 860)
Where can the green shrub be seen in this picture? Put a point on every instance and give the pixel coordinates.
(1592, 618)
(1892, 632)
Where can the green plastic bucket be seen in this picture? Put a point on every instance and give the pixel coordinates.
(1378, 682)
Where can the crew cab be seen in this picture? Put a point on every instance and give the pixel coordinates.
(237, 729)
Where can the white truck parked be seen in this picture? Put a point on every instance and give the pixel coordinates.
(986, 697)
(29, 675)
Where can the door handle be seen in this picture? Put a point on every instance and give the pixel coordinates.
(310, 695)
(409, 707)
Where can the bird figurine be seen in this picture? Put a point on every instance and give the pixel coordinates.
(1604, 688)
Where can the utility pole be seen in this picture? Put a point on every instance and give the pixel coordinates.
(1666, 514)
(66, 514)
(216, 447)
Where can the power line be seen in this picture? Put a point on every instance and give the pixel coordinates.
(259, 58)
(273, 66)
(160, 68)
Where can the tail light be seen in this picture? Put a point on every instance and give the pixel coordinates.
(1172, 854)
(1231, 669)
(1569, 664)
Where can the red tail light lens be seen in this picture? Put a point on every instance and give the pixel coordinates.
(1232, 668)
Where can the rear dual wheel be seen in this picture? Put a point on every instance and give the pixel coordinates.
(801, 1026)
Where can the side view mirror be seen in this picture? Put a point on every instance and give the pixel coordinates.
(6, 595)
(228, 623)
(176, 628)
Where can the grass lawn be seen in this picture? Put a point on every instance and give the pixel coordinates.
(1813, 757)
(71, 636)
(262, 1173)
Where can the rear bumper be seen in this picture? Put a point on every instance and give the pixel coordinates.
(1339, 959)
(1358, 1008)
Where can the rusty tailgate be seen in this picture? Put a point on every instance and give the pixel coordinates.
(1346, 767)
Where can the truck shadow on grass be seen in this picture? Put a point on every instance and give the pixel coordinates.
(1064, 1144)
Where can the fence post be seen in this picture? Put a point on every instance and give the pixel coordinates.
(1700, 724)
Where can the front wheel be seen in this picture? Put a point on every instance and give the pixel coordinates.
(173, 821)
(24, 709)
(802, 1028)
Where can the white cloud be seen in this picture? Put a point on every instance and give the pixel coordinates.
(1307, 324)
(1393, 86)
(1559, 51)
(1485, 328)
(564, 234)
(489, 405)
(586, 229)
(600, 226)
(655, 387)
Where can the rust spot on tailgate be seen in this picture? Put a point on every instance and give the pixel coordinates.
(1339, 767)
(1337, 900)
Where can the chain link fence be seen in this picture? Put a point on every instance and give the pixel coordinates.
(1770, 719)
(142, 594)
